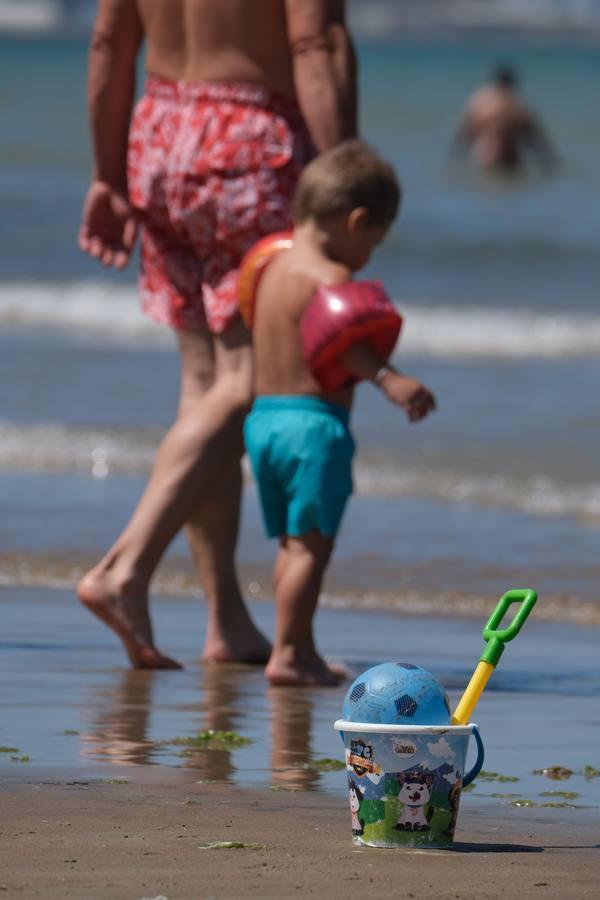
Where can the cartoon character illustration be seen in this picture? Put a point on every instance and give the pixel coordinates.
(359, 758)
(454, 799)
(356, 798)
(415, 795)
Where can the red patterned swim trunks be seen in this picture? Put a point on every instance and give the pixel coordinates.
(212, 168)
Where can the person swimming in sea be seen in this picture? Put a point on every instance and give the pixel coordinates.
(499, 131)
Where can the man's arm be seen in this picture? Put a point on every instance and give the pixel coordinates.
(116, 39)
(108, 227)
(324, 69)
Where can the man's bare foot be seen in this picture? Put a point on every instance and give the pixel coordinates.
(242, 643)
(127, 616)
(290, 668)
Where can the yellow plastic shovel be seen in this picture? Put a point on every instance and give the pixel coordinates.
(495, 639)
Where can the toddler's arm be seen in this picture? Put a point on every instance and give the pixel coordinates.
(416, 400)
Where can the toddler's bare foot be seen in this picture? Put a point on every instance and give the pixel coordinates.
(127, 616)
(291, 668)
(240, 641)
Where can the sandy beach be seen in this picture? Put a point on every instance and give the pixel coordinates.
(124, 841)
(103, 796)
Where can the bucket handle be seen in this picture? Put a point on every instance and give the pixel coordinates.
(472, 775)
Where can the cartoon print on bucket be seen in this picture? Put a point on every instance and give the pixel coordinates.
(356, 798)
(405, 781)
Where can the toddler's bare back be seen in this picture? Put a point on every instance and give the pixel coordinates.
(285, 290)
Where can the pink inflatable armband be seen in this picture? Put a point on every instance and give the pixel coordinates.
(340, 315)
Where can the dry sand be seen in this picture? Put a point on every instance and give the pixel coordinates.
(108, 840)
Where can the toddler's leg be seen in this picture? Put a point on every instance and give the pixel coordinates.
(299, 571)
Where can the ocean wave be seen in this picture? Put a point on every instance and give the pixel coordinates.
(537, 495)
(94, 308)
(461, 332)
(111, 311)
(380, 19)
(385, 17)
(51, 447)
(32, 15)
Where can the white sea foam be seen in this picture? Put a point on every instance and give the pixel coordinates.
(537, 495)
(111, 311)
(49, 447)
(102, 308)
(478, 332)
(380, 19)
(30, 15)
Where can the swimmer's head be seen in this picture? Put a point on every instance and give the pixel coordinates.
(354, 194)
(505, 77)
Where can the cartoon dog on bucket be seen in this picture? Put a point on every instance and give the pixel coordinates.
(356, 798)
(415, 795)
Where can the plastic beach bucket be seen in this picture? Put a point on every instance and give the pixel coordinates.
(405, 781)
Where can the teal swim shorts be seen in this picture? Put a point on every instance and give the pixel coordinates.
(301, 452)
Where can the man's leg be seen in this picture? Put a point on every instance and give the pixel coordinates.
(299, 571)
(213, 530)
(189, 462)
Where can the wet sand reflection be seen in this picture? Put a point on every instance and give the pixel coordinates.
(143, 718)
(120, 720)
(291, 722)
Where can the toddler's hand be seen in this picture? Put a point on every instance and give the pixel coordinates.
(416, 400)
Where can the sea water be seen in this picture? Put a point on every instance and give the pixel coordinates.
(498, 283)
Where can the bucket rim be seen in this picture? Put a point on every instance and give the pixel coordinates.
(378, 728)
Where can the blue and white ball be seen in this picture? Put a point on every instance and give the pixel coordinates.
(397, 694)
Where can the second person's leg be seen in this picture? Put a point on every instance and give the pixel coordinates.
(213, 531)
(299, 571)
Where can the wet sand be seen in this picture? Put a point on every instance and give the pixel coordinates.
(143, 840)
(67, 697)
(100, 798)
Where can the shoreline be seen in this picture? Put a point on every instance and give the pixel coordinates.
(177, 580)
(120, 839)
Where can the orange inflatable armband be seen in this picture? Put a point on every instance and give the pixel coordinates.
(252, 269)
(340, 315)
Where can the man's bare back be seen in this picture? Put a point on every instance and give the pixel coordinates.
(226, 40)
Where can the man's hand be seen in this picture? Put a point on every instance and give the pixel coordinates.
(416, 400)
(108, 228)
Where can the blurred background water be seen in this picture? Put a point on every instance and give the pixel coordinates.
(498, 282)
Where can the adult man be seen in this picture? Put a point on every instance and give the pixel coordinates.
(239, 96)
(499, 129)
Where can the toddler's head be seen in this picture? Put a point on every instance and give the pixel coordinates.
(352, 195)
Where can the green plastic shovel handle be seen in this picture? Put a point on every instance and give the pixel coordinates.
(497, 638)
